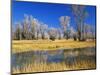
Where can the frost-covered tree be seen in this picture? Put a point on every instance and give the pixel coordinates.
(64, 21)
(43, 29)
(52, 33)
(26, 27)
(46, 35)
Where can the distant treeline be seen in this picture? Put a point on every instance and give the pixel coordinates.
(32, 29)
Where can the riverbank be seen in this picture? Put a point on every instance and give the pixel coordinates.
(29, 45)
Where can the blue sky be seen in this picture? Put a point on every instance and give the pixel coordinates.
(48, 13)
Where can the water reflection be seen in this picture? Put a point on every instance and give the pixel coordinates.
(69, 56)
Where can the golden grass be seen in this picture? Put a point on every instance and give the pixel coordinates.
(43, 67)
(29, 45)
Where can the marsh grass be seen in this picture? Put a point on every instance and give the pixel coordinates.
(44, 67)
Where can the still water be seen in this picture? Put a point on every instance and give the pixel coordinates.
(68, 56)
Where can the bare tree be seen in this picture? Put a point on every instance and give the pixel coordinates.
(43, 29)
(80, 14)
(73, 33)
(52, 33)
(89, 31)
(13, 32)
(26, 27)
(18, 32)
(60, 33)
(37, 29)
(46, 35)
(64, 21)
(33, 27)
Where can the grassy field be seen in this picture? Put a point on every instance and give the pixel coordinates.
(27, 45)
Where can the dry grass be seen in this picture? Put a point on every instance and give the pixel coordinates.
(43, 67)
(28, 45)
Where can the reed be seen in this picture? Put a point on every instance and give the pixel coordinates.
(44, 67)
